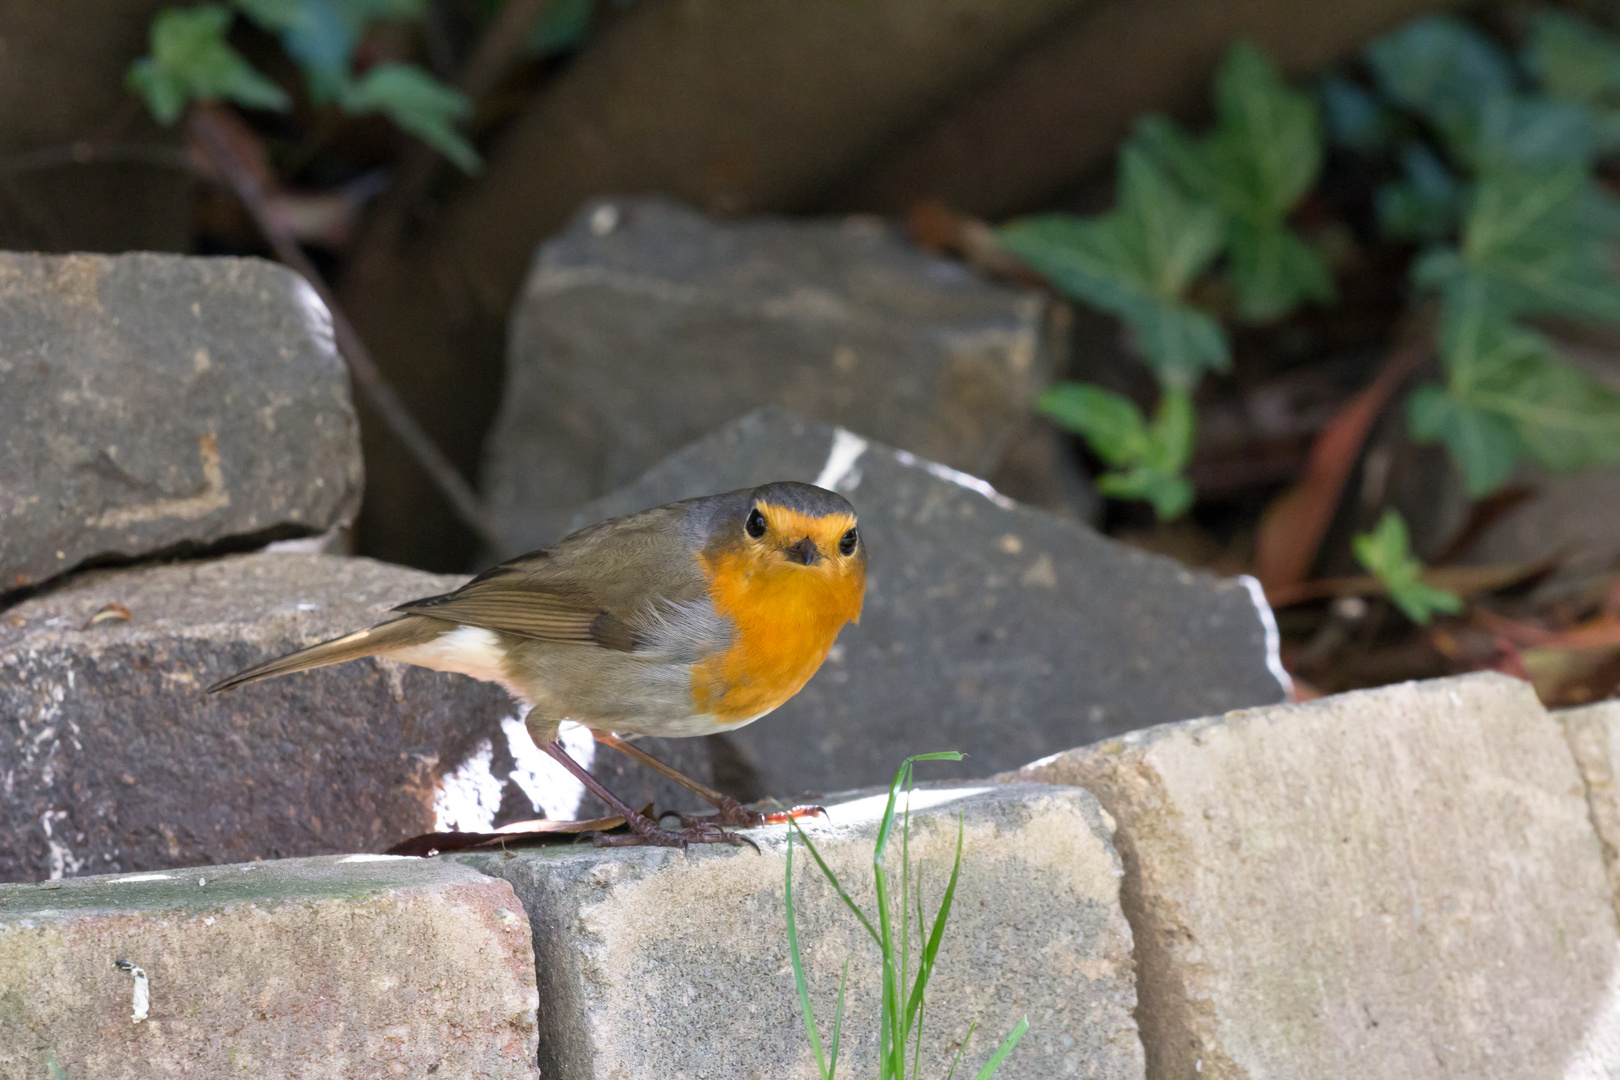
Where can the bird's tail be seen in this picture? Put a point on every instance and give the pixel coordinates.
(384, 637)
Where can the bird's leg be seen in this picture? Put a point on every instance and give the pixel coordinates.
(644, 829)
(732, 812)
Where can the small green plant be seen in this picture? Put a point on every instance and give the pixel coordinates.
(1499, 182)
(192, 60)
(1494, 159)
(1386, 552)
(901, 1012)
(1186, 209)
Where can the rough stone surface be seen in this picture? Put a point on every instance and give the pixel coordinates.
(658, 964)
(990, 628)
(1393, 882)
(1593, 732)
(155, 402)
(112, 757)
(632, 340)
(307, 968)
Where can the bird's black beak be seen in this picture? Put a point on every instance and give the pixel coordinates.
(804, 552)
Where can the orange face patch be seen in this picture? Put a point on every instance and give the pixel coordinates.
(787, 615)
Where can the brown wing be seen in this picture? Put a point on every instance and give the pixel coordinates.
(582, 590)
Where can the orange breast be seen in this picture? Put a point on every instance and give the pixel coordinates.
(786, 618)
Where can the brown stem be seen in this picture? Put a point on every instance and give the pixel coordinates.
(210, 127)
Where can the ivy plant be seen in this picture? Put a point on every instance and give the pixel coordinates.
(1499, 181)
(1386, 552)
(1185, 209)
(192, 59)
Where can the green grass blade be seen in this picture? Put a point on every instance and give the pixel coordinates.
(904, 974)
(916, 1050)
(996, 1059)
(960, 1047)
(798, 976)
(925, 969)
(838, 1023)
(836, 884)
(894, 789)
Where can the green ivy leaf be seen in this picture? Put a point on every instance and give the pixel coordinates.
(321, 35)
(1148, 460)
(1483, 444)
(1533, 241)
(191, 60)
(1261, 158)
(1441, 68)
(1426, 204)
(1386, 552)
(1513, 129)
(419, 104)
(562, 26)
(1509, 396)
(1572, 59)
(1353, 116)
(1274, 271)
(1136, 261)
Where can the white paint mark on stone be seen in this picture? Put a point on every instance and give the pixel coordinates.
(1598, 1055)
(954, 476)
(551, 789)
(62, 861)
(1268, 621)
(141, 1002)
(604, 219)
(144, 877)
(469, 796)
(840, 472)
(375, 858)
(317, 319)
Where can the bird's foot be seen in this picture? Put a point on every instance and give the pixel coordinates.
(735, 815)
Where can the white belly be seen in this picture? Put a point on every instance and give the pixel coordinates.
(466, 650)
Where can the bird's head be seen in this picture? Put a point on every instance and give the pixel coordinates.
(794, 545)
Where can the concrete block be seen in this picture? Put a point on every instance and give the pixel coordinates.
(1399, 882)
(1593, 732)
(654, 963)
(340, 966)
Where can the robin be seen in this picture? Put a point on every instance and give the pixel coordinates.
(688, 619)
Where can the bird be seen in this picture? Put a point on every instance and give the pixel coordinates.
(697, 617)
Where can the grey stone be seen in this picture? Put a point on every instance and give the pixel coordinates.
(1392, 882)
(991, 628)
(657, 964)
(113, 758)
(645, 325)
(1593, 732)
(357, 966)
(153, 403)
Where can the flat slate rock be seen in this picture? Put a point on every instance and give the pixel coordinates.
(657, 964)
(153, 403)
(991, 628)
(357, 966)
(645, 325)
(112, 758)
(1393, 882)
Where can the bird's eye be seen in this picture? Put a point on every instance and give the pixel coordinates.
(755, 525)
(846, 546)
